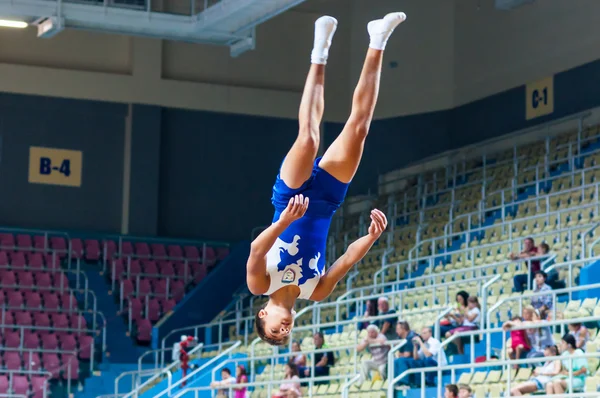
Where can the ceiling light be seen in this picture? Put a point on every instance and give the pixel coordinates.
(6, 23)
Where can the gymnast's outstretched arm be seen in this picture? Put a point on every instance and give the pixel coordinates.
(256, 267)
(356, 251)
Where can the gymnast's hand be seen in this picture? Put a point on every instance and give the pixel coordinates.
(295, 209)
(378, 223)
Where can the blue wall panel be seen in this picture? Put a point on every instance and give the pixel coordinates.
(217, 171)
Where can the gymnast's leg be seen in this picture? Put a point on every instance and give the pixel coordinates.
(298, 164)
(342, 158)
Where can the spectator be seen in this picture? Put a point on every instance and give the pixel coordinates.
(426, 353)
(370, 311)
(386, 325)
(298, 358)
(520, 345)
(581, 334)
(529, 250)
(539, 338)
(464, 391)
(290, 388)
(560, 383)
(455, 318)
(470, 321)
(376, 343)
(540, 286)
(541, 375)
(451, 391)
(240, 378)
(405, 352)
(403, 331)
(226, 380)
(323, 360)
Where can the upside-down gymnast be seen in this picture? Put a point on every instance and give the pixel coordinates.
(287, 260)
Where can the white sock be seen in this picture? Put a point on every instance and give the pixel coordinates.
(324, 29)
(380, 30)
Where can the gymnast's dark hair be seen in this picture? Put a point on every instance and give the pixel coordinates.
(259, 325)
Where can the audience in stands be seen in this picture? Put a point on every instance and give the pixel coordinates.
(322, 360)
(451, 391)
(529, 250)
(542, 375)
(226, 380)
(386, 325)
(561, 382)
(471, 321)
(541, 337)
(464, 391)
(371, 310)
(240, 378)
(427, 350)
(298, 358)
(519, 341)
(540, 286)
(376, 343)
(403, 331)
(454, 319)
(581, 334)
(290, 388)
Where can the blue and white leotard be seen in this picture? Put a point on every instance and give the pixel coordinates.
(298, 255)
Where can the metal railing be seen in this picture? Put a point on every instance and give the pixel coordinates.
(155, 376)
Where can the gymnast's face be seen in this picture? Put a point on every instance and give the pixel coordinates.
(278, 321)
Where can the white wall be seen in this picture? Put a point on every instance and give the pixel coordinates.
(78, 64)
(498, 50)
(423, 49)
(447, 53)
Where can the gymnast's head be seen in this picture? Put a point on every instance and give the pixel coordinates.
(274, 323)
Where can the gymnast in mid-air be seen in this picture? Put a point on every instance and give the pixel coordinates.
(287, 260)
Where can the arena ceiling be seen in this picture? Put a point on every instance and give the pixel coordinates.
(222, 22)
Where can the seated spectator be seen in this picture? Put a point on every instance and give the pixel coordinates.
(403, 332)
(323, 360)
(376, 343)
(471, 321)
(386, 325)
(226, 380)
(426, 352)
(464, 391)
(540, 337)
(371, 310)
(240, 378)
(451, 391)
(455, 318)
(540, 286)
(581, 334)
(529, 250)
(541, 375)
(290, 388)
(579, 366)
(298, 358)
(519, 340)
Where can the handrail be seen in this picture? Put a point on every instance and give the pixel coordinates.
(148, 382)
(161, 350)
(504, 363)
(537, 198)
(346, 386)
(506, 225)
(464, 157)
(183, 380)
(230, 387)
(529, 295)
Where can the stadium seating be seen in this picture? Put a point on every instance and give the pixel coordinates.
(453, 229)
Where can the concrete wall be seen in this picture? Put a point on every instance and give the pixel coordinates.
(497, 50)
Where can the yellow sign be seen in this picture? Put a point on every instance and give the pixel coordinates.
(539, 98)
(55, 166)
